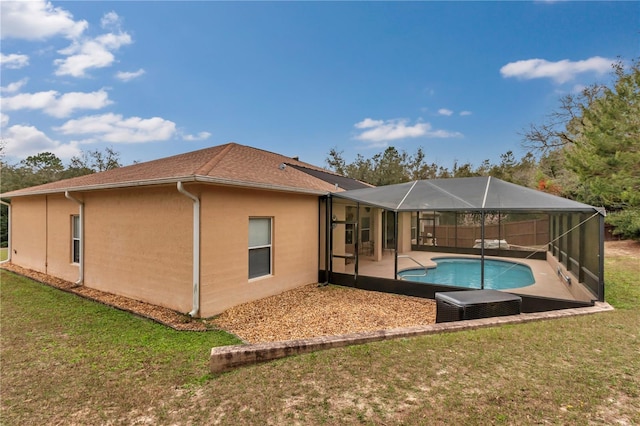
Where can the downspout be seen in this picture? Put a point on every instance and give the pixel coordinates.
(196, 250)
(8, 259)
(81, 204)
(327, 238)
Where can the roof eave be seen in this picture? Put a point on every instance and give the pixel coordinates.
(167, 181)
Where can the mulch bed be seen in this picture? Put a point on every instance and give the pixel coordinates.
(159, 314)
(307, 311)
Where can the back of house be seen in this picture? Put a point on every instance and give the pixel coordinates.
(197, 232)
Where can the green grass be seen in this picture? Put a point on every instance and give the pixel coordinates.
(4, 253)
(622, 275)
(69, 360)
(60, 351)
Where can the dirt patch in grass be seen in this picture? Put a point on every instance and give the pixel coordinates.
(622, 248)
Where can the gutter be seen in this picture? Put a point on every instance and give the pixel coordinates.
(196, 249)
(81, 204)
(8, 259)
(168, 181)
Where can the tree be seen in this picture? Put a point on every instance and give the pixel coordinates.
(41, 168)
(335, 161)
(606, 154)
(93, 161)
(385, 168)
(521, 172)
(46, 167)
(392, 166)
(590, 148)
(561, 127)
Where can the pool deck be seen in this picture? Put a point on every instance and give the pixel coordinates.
(547, 283)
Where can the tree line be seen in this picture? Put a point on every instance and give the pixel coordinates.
(46, 167)
(588, 150)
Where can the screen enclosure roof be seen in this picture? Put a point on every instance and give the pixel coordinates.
(463, 194)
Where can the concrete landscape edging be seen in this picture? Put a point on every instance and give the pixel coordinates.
(225, 358)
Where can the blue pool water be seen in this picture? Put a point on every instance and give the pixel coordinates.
(465, 272)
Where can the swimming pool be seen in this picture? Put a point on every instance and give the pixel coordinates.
(466, 272)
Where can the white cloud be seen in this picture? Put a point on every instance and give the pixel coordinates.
(37, 20)
(22, 141)
(388, 130)
(56, 105)
(4, 119)
(368, 122)
(90, 53)
(560, 71)
(199, 137)
(13, 61)
(445, 111)
(128, 76)
(110, 20)
(116, 129)
(465, 113)
(14, 87)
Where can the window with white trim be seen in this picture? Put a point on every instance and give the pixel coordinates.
(259, 246)
(75, 239)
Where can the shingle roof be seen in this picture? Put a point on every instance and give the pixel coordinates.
(230, 164)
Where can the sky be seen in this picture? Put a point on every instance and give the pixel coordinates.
(461, 80)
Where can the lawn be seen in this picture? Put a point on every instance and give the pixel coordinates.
(68, 360)
(4, 253)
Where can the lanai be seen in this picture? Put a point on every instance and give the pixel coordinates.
(393, 220)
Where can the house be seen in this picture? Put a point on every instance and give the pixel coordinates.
(207, 230)
(197, 232)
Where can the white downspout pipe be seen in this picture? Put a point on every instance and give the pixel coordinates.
(196, 250)
(8, 259)
(81, 217)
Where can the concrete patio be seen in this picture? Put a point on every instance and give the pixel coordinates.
(547, 282)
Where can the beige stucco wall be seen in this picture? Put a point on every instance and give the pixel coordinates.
(28, 233)
(404, 232)
(138, 243)
(41, 235)
(225, 245)
(59, 257)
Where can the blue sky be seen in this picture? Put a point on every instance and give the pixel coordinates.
(153, 79)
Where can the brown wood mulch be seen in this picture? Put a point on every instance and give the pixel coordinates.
(307, 311)
(311, 311)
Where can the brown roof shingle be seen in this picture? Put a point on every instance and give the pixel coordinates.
(231, 164)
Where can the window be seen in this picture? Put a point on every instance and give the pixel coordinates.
(414, 227)
(348, 233)
(259, 247)
(75, 239)
(366, 229)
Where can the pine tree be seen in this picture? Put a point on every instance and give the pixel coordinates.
(606, 154)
